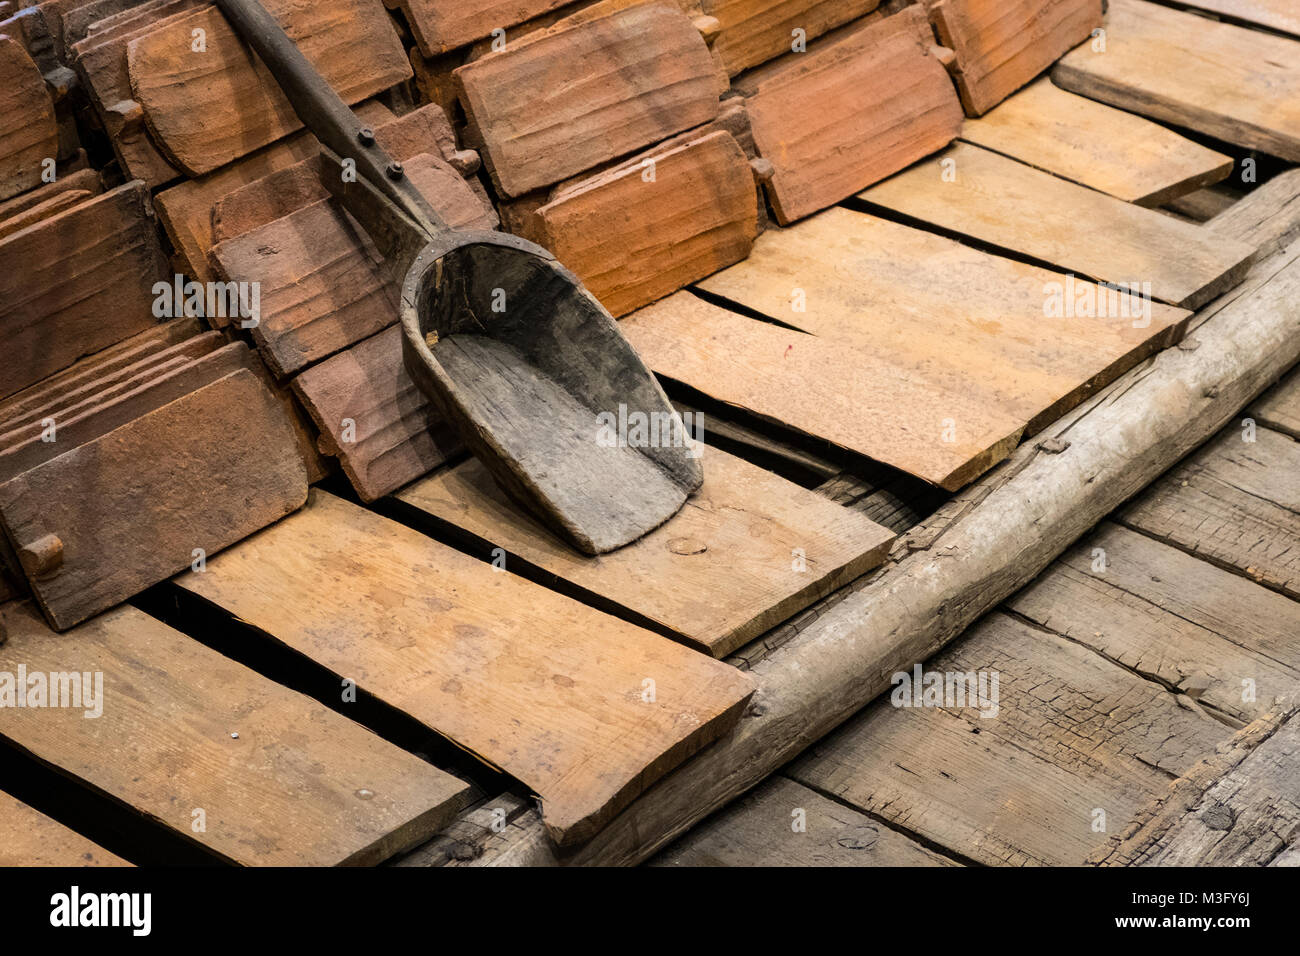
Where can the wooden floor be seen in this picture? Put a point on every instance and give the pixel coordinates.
(1122, 669)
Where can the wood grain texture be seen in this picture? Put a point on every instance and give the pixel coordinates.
(758, 830)
(186, 209)
(645, 232)
(850, 112)
(81, 180)
(55, 204)
(323, 284)
(720, 572)
(1279, 407)
(1233, 503)
(1238, 85)
(28, 132)
(1016, 207)
(214, 467)
(564, 100)
(1072, 733)
(85, 284)
(1237, 807)
(442, 25)
(1095, 145)
(469, 651)
(281, 779)
(30, 838)
(1266, 217)
(1001, 45)
(188, 97)
(1280, 15)
(755, 31)
(373, 417)
(1224, 642)
(850, 397)
(974, 323)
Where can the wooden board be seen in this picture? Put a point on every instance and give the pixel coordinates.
(1222, 640)
(759, 830)
(38, 213)
(188, 97)
(86, 284)
(86, 180)
(280, 779)
(1000, 45)
(720, 572)
(231, 435)
(755, 31)
(564, 100)
(1280, 15)
(1016, 207)
(1233, 503)
(28, 132)
(850, 112)
(632, 241)
(373, 417)
(323, 284)
(974, 323)
(1266, 217)
(1073, 734)
(1279, 407)
(1238, 85)
(30, 838)
(539, 685)
(186, 209)
(442, 25)
(849, 397)
(1076, 138)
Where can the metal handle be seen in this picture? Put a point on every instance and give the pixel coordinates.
(339, 130)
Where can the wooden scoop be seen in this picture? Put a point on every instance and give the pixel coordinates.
(503, 340)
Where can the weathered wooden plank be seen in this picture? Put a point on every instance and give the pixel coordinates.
(1266, 217)
(1000, 45)
(747, 551)
(1237, 807)
(442, 25)
(1279, 408)
(231, 435)
(1027, 341)
(469, 650)
(850, 397)
(983, 546)
(86, 180)
(850, 112)
(1095, 145)
(1235, 503)
(643, 233)
(254, 772)
(1069, 734)
(1238, 85)
(186, 209)
(783, 823)
(373, 418)
(86, 284)
(1280, 15)
(323, 284)
(997, 200)
(563, 100)
(1221, 640)
(188, 97)
(30, 838)
(58, 203)
(28, 133)
(751, 32)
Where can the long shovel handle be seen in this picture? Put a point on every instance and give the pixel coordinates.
(339, 129)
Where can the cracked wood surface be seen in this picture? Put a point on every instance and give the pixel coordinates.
(1238, 807)
(987, 543)
(1234, 503)
(1072, 734)
(549, 690)
(1221, 640)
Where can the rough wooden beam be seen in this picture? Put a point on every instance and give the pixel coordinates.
(990, 541)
